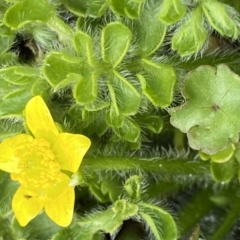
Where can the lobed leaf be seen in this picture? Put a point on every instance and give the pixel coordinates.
(158, 83)
(149, 31)
(58, 65)
(78, 7)
(28, 11)
(160, 222)
(210, 115)
(97, 8)
(116, 38)
(125, 98)
(108, 220)
(172, 11)
(85, 91)
(223, 172)
(191, 36)
(83, 45)
(226, 24)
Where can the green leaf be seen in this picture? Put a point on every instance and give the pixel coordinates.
(83, 45)
(220, 157)
(116, 38)
(124, 95)
(133, 9)
(113, 118)
(172, 11)
(107, 221)
(158, 83)
(97, 8)
(28, 11)
(14, 103)
(19, 75)
(149, 31)
(8, 129)
(210, 115)
(85, 91)
(226, 25)
(133, 187)
(118, 7)
(129, 130)
(152, 122)
(58, 65)
(223, 172)
(7, 190)
(191, 36)
(112, 186)
(78, 7)
(159, 222)
(41, 227)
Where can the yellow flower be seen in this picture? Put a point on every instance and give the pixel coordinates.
(42, 165)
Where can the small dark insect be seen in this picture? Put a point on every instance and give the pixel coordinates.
(27, 196)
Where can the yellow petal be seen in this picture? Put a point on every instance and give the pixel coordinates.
(59, 186)
(39, 120)
(26, 205)
(8, 151)
(69, 150)
(60, 209)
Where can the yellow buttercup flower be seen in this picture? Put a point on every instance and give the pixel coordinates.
(42, 165)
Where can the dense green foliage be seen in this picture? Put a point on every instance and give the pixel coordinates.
(134, 76)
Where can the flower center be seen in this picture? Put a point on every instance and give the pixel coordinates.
(37, 166)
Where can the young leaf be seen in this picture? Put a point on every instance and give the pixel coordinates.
(85, 91)
(129, 130)
(223, 172)
(58, 65)
(78, 7)
(14, 103)
(109, 220)
(19, 75)
(133, 187)
(158, 83)
(97, 8)
(28, 11)
(133, 9)
(118, 7)
(116, 38)
(191, 36)
(123, 94)
(83, 45)
(210, 114)
(172, 11)
(220, 157)
(160, 222)
(226, 24)
(149, 31)
(152, 122)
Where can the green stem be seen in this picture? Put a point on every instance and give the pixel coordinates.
(228, 222)
(65, 33)
(156, 165)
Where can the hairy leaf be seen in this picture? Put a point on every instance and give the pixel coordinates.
(160, 222)
(28, 11)
(78, 7)
(210, 115)
(109, 220)
(191, 36)
(149, 31)
(58, 65)
(158, 82)
(226, 25)
(116, 38)
(83, 44)
(85, 90)
(172, 11)
(125, 97)
(97, 8)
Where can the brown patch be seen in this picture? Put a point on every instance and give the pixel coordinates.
(215, 107)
